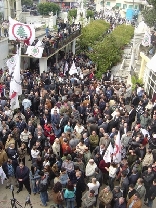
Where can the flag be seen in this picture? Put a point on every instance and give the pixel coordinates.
(11, 63)
(73, 69)
(35, 51)
(15, 85)
(65, 68)
(38, 44)
(107, 155)
(146, 39)
(20, 31)
(14, 103)
(117, 149)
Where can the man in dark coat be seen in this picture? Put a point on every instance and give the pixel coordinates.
(132, 114)
(22, 175)
(151, 194)
(79, 188)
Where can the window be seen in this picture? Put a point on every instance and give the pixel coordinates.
(130, 6)
(108, 3)
(118, 4)
(136, 7)
(124, 6)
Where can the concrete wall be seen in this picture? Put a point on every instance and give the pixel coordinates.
(41, 20)
(4, 52)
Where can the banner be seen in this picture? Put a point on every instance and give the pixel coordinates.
(117, 149)
(65, 68)
(73, 69)
(146, 40)
(15, 85)
(35, 51)
(20, 31)
(11, 63)
(107, 156)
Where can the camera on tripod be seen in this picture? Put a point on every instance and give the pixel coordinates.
(15, 203)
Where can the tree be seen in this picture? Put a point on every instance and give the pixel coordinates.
(72, 13)
(90, 14)
(108, 52)
(21, 32)
(92, 33)
(149, 13)
(46, 8)
(27, 2)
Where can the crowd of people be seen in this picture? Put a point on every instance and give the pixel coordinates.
(65, 124)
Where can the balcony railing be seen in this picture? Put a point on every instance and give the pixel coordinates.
(53, 46)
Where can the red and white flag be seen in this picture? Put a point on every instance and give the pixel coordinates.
(107, 156)
(117, 149)
(15, 85)
(20, 31)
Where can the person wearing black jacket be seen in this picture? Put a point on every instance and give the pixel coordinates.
(22, 175)
(9, 169)
(151, 194)
(132, 114)
(79, 188)
(148, 177)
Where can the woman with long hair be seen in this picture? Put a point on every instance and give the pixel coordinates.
(58, 195)
(69, 195)
(34, 177)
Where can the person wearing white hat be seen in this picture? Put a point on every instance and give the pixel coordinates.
(90, 169)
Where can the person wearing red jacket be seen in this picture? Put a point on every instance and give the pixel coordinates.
(102, 166)
(48, 132)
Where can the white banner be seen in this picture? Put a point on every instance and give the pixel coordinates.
(11, 63)
(20, 31)
(146, 40)
(35, 51)
(73, 69)
(107, 156)
(117, 149)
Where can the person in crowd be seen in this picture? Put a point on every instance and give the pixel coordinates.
(57, 194)
(94, 185)
(22, 153)
(34, 179)
(88, 199)
(22, 175)
(9, 167)
(151, 194)
(140, 188)
(43, 186)
(105, 197)
(90, 169)
(134, 201)
(69, 195)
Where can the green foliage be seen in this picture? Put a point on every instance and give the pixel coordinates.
(135, 80)
(149, 15)
(90, 14)
(92, 33)
(109, 52)
(46, 8)
(27, 2)
(72, 13)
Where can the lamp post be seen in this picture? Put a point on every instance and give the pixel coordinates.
(103, 9)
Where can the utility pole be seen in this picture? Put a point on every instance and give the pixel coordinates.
(103, 9)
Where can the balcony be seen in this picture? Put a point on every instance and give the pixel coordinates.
(54, 45)
(144, 2)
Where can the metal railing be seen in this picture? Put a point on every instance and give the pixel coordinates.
(54, 45)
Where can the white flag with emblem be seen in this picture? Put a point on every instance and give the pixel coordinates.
(15, 85)
(107, 156)
(35, 51)
(11, 63)
(20, 31)
(117, 149)
(146, 39)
